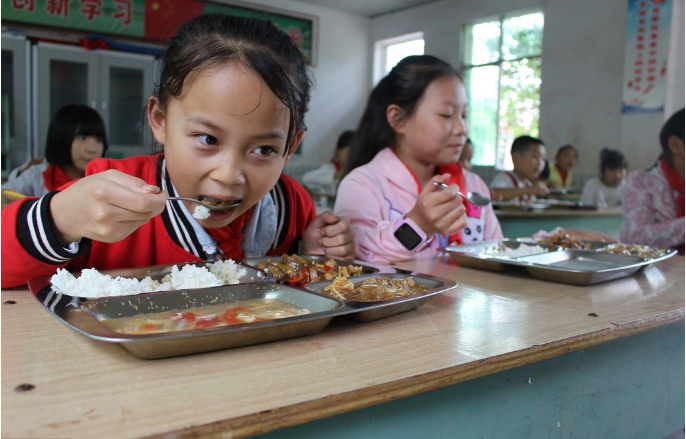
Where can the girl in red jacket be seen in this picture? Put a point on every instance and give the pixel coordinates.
(229, 110)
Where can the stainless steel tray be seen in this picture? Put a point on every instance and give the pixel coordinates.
(520, 207)
(597, 246)
(369, 311)
(86, 316)
(558, 264)
(471, 255)
(581, 267)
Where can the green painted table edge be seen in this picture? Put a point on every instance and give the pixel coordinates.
(631, 387)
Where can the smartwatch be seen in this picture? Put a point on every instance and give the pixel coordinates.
(410, 234)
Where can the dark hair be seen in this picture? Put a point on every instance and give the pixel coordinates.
(612, 159)
(345, 139)
(67, 123)
(673, 127)
(403, 86)
(522, 143)
(564, 147)
(213, 39)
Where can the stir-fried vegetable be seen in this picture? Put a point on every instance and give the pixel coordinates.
(293, 268)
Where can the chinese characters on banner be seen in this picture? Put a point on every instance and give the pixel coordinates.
(122, 17)
(150, 19)
(646, 56)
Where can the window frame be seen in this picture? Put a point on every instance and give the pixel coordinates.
(466, 49)
(381, 52)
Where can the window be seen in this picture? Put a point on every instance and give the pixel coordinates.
(502, 70)
(388, 52)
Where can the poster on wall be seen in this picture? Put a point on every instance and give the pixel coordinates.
(646, 56)
(154, 20)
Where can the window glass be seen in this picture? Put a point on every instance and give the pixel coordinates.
(502, 69)
(522, 36)
(388, 52)
(396, 52)
(485, 43)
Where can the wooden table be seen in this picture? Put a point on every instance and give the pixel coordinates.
(501, 355)
(518, 224)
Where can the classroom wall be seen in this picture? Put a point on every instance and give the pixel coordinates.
(582, 73)
(341, 80)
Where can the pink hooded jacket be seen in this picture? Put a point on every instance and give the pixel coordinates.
(376, 197)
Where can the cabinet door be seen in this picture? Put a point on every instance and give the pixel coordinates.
(16, 129)
(127, 81)
(62, 75)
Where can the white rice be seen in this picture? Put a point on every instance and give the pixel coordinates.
(501, 250)
(201, 212)
(91, 283)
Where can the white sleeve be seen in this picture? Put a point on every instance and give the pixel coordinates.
(502, 180)
(588, 194)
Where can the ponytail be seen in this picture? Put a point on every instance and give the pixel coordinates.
(403, 86)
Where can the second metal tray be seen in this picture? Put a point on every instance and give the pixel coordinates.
(557, 264)
(580, 267)
(368, 311)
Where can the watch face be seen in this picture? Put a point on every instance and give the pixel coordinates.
(407, 236)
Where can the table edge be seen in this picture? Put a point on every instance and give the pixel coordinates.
(288, 416)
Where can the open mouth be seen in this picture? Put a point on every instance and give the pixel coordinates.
(219, 203)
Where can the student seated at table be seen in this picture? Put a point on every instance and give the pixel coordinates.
(76, 135)
(654, 198)
(607, 188)
(528, 158)
(325, 178)
(561, 175)
(409, 138)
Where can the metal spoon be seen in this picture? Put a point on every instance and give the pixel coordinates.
(208, 204)
(473, 197)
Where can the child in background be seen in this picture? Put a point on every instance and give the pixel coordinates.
(76, 135)
(325, 178)
(522, 184)
(409, 138)
(561, 172)
(466, 163)
(229, 110)
(654, 198)
(606, 189)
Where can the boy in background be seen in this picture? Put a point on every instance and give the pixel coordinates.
(522, 183)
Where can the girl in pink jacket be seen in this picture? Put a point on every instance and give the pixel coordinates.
(411, 135)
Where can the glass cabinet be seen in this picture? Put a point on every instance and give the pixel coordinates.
(16, 128)
(116, 84)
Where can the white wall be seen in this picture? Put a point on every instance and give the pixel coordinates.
(582, 72)
(341, 79)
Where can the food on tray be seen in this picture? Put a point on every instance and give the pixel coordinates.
(501, 250)
(641, 251)
(246, 311)
(91, 283)
(373, 289)
(564, 240)
(297, 269)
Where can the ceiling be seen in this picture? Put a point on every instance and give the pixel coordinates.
(369, 8)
